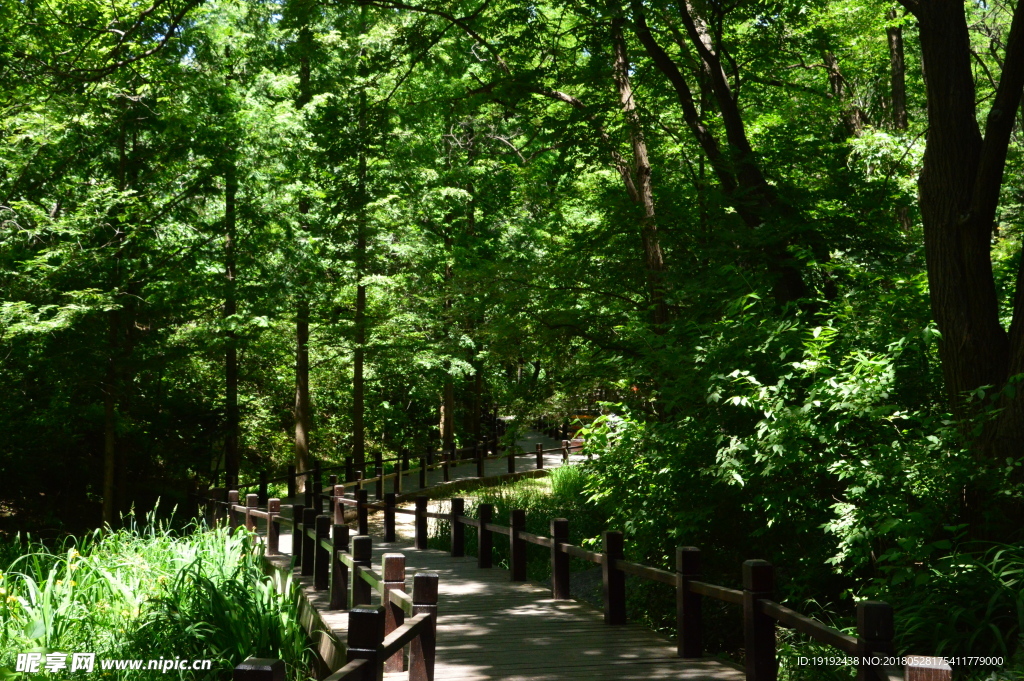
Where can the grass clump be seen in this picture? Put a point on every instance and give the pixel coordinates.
(148, 592)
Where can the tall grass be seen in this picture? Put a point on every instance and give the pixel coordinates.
(148, 592)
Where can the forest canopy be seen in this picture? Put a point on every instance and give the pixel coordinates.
(779, 242)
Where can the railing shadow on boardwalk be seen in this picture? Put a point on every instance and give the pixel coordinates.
(337, 566)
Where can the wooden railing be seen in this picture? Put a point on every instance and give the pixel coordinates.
(377, 637)
(872, 648)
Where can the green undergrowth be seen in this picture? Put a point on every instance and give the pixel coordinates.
(147, 592)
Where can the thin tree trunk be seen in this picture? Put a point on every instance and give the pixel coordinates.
(897, 73)
(110, 422)
(359, 356)
(302, 414)
(230, 309)
(642, 194)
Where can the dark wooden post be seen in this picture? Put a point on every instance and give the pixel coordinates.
(445, 472)
(322, 562)
(350, 470)
(874, 634)
(365, 635)
(259, 669)
(484, 537)
(310, 499)
(389, 517)
(379, 485)
(559, 560)
(405, 459)
(421, 652)
(339, 508)
(332, 480)
(512, 451)
(517, 546)
(396, 485)
(359, 480)
(291, 483)
(263, 488)
(362, 511)
(423, 472)
(308, 542)
(362, 555)
(251, 501)
(613, 579)
(458, 533)
(339, 571)
(421, 522)
(758, 628)
(430, 456)
(297, 511)
(273, 527)
(232, 517)
(688, 604)
(393, 572)
(478, 453)
(540, 456)
(318, 487)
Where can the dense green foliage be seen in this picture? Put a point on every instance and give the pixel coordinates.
(148, 593)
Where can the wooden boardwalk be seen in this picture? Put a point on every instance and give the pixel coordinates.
(489, 627)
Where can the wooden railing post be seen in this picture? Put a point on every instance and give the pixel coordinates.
(458, 530)
(396, 485)
(421, 522)
(339, 570)
(484, 537)
(405, 459)
(251, 501)
(273, 527)
(291, 483)
(512, 451)
(262, 494)
(379, 485)
(559, 560)
(540, 456)
(339, 508)
(758, 628)
(259, 669)
(688, 604)
(927, 669)
(613, 579)
(308, 543)
(318, 488)
(322, 562)
(421, 652)
(362, 511)
(445, 472)
(874, 634)
(389, 517)
(478, 453)
(297, 512)
(309, 498)
(393, 572)
(232, 517)
(365, 635)
(350, 469)
(423, 472)
(517, 546)
(332, 480)
(362, 555)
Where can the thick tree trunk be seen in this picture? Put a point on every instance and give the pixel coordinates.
(231, 350)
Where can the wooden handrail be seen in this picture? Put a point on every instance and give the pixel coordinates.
(806, 625)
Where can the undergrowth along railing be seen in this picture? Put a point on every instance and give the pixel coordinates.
(872, 649)
(342, 565)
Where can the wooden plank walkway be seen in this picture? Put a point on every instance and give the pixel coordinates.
(492, 628)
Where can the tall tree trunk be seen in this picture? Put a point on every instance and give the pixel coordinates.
(110, 421)
(959, 195)
(642, 192)
(359, 356)
(302, 415)
(897, 73)
(231, 462)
